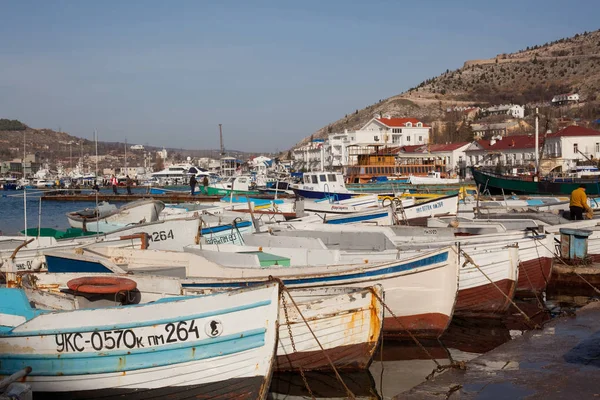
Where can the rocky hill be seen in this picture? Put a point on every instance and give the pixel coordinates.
(52, 146)
(531, 76)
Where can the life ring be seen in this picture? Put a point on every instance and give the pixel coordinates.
(101, 284)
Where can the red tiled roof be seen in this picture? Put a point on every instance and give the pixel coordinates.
(432, 148)
(574, 130)
(446, 147)
(410, 148)
(510, 142)
(400, 122)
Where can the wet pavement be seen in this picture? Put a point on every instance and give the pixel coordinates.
(560, 361)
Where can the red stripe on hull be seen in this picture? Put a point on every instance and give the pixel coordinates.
(534, 276)
(485, 299)
(348, 358)
(431, 325)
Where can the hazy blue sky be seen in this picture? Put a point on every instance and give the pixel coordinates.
(167, 73)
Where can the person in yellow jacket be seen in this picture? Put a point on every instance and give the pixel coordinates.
(578, 203)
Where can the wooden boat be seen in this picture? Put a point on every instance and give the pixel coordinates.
(485, 289)
(140, 211)
(323, 185)
(432, 178)
(421, 290)
(496, 184)
(172, 234)
(376, 243)
(331, 206)
(218, 347)
(233, 184)
(346, 321)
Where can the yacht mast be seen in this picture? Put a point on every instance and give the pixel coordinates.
(537, 141)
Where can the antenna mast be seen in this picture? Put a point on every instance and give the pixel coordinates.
(221, 139)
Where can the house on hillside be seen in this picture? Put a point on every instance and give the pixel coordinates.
(398, 131)
(563, 149)
(311, 156)
(485, 130)
(517, 151)
(445, 157)
(514, 110)
(567, 98)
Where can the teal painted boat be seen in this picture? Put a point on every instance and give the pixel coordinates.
(497, 184)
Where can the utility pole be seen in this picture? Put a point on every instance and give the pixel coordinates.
(221, 140)
(126, 157)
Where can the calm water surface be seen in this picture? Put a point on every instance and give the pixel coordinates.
(12, 217)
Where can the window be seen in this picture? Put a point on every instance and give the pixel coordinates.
(408, 124)
(420, 138)
(575, 148)
(419, 124)
(331, 178)
(597, 147)
(314, 179)
(408, 138)
(323, 178)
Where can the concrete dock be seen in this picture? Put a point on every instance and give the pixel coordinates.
(561, 361)
(167, 198)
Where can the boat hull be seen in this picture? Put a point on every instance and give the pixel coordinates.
(348, 326)
(236, 388)
(406, 282)
(206, 343)
(314, 194)
(496, 184)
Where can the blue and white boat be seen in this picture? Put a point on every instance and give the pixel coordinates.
(217, 346)
(320, 185)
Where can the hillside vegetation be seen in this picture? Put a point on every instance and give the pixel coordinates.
(529, 77)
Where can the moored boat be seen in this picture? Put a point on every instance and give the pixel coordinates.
(421, 290)
(106, 220)
(219, 347)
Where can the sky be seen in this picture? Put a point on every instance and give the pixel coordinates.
(167, 73)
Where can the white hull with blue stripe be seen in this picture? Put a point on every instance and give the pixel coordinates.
(222, 345)
(136, 212)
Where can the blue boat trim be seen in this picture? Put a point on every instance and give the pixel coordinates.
(129, 325)
(62, 265)
(221, 228)
(93, 363)
(359, 218)
(427, 261)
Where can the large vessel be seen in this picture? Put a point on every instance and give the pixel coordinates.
(492, 183)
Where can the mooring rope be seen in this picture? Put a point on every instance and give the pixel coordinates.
(472, 262)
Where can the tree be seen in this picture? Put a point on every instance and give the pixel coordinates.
(159, 164)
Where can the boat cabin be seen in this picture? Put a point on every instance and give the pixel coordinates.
(328, 182)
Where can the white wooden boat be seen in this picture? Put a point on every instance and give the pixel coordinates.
(350, 205)
(476, 295)
(421, 291)
(219, 346)
(432, 178)
(161, 235)
(140, 211)
(346, 321)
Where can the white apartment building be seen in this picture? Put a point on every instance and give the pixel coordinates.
(383, 131)
(560, 99)
(514, 110)
(311, 156)
(515, 150)
(397, 131)
(571, 144)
